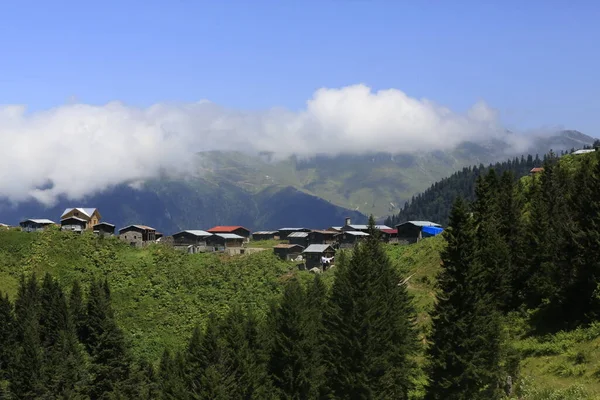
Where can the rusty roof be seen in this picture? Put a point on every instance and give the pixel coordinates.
(286, 246)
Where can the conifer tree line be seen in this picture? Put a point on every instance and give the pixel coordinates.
(531, 249)
(435, 203)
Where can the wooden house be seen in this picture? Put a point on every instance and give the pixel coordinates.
(222, 241)
(350, 238)
(73, 224)
(192, 241)
(104, 229)
(284, 232)
(137, 235)
(536, 170)
(412, 231)
(234, 230)
(299, 238)
(360, 228)
(389, 235)
(90, 215)
(288, 251)
(313, 254)
(321, 237)
(35, 224)
(265, 235)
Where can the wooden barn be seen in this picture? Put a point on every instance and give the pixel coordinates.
(321, 237)
(288, 251)
(299, 238)
(232, 230)
(412, 231)
(73, 224)
(104, 229)
(191, 241)
(222, 241)
(350, 238)
(35, 224)
(90, 215)
(265, 235)
(313, 254)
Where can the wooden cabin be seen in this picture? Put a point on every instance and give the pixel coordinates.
(411, 231)
(299, 238)
(90, 215)
(35, 224)
(265, 235)
(284, 232)
(73, 224)
(288, 251)
(233, 230)
(222, 241)
(104, 229)
(313, 254)
(321, 237)
(350, 238)
(191, 241)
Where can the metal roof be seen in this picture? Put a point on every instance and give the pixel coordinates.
(584, 151)
(75, 218)
(357, 233)
(420, 223)
(265, 233)
(39, 221)
(229, 236)
(317, 248)
(104, 223)
(287, 246)
(225, 229)
(142, 227)
(195, 232)
(337, 228)
(87, 211)
(298, 234)
(291, 229)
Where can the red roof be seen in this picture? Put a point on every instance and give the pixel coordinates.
(390, 231)
(536, 169)
(225, 229)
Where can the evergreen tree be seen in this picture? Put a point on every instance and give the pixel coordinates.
(77, 309)
(369, 327)
(105, 343)
(7, 336)
(465, 344)
(290, 363)
(171, 380)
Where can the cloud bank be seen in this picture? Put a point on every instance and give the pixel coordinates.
(79, 149)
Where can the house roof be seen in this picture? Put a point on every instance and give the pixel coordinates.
(317, 248)
(364, 227)
(390, 231)
(323, 232)
(419, 223)
(229, 236)
(298, 234)
(584, 151)
(536, 169)
(87, 211)
(287, 246)
(265, 233)
(39, 221)
(142, 227)
(292, 229)
(104, 223)
(357, 233)
(225, 229)
(75, 218)
(195, 232)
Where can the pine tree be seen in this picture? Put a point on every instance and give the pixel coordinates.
(217, 379)
(465, 341)
(369, 327)
(105, 343)
(7, 336)
(290, 362)
(77, 309)
(171, 380)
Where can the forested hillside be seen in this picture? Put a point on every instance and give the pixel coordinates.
(434, 204)
(516, 311)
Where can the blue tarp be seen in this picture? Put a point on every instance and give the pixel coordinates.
(431, 231)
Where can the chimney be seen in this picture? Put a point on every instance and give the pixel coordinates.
(348, 221)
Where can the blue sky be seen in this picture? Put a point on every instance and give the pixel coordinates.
(537, 62)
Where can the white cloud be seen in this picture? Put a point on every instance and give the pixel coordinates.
(82, 148)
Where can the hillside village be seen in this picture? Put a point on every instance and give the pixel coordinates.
(314, 248)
